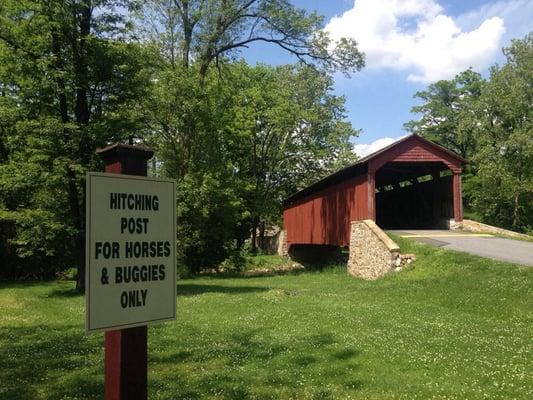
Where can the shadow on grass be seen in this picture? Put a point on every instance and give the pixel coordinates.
(57, 362)
(62, 288)
(257, 272)
(23, 284)
(250, 364)
(265, 272)
(65, 293)
(346, 354)
(49, 362)
(318, 257)
(191, 289)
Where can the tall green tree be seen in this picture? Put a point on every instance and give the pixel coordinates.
(489, 122)
(210, 119)
(212, 31)
(194, 35)
(209, 207)
(69, 84)
(505, 141)
(448, 112)
(261, 133)
(290, 129)
(74, 77)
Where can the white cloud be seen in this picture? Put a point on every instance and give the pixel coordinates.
(416, 36)
(362, 150)
(517, 15)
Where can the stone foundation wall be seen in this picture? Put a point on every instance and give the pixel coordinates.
(372, 252)
(473, 226)
(452, 225)
(283, 249)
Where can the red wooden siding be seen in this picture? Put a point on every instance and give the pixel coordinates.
(412, 151)
(324, 218)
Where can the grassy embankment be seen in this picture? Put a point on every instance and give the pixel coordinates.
(451, 326)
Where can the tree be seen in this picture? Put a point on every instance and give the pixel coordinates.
(209, 205)
(505, 141)
(261, 133)
(203, 126)
(192, 35)
(74, 77)
(489, 123)
(69, 85)
(289, 130)
(448, 112)
(212, 31)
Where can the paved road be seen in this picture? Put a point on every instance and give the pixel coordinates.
(485, 245)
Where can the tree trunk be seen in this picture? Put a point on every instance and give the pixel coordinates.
(73, 195)
(85, 149)
(516, 209)
(79, 238)
(254, 235)
(3, 148)
(80, 261)
(187, 35)
(81, 109)
(262, 229)
(239, 241)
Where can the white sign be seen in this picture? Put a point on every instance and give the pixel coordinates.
(130, 251)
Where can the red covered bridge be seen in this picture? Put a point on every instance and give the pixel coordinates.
(413, 183)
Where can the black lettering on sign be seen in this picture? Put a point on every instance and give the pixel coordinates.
(143, 273)
(153, 272)
(147, 249)
(106, 249)
(130, 201)
(144, 248)
(104, 279)
(153, 249)
(134, 225)
(118, 275)
(133, 298)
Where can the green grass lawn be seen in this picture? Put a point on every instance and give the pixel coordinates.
(452, 326)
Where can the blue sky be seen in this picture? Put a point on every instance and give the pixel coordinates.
(409, 44)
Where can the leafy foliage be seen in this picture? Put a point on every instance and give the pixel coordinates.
(77, 75)
(289, 130)
(208, 212)
(237, 146)
(68, 85)
(505, 141)
(214, 31)
(448, 112)
(250, 134)
(490, 123)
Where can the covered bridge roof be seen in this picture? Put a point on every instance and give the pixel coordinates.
(361, 166)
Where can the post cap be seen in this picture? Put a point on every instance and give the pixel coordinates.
(118, 150)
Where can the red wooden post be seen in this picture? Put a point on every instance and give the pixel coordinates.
(126, 350)
(371, 187)
(457, 197)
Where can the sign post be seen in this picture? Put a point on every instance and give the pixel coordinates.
(131, 271)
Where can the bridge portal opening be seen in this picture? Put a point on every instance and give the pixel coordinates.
(413, 195)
